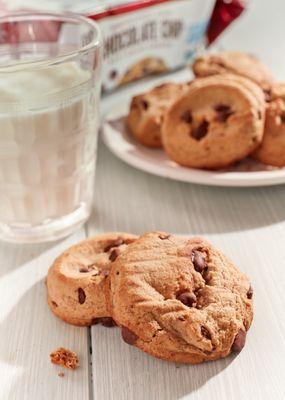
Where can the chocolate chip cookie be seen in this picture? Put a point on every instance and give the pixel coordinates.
(272, 149)
(180, 299)
(147, 66)
(239, 63)
(75, 282)
(146, 112)
(217, 122)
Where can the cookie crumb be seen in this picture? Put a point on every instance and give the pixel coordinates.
(64, 357)
(61, 374)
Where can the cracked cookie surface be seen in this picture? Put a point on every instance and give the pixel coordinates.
(217, 122)
(76, 280)
(180, 299)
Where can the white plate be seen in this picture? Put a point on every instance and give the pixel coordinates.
(117, 138)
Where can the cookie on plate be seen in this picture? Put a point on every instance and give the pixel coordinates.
(272, 149)
(180, 299)
(75, 281)
(145, 67)
(243, 64)
(217, 122)
(146, 112)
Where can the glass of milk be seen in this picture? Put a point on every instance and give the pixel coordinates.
(49, 117)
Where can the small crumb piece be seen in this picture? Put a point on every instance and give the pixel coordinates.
(61, 374)
(64, 357)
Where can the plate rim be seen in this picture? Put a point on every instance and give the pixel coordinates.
(183, 174)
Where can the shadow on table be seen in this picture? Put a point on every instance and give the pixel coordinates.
(123, 372)
(20, 254)
(29, 333)
(131, 200)
(25, 257)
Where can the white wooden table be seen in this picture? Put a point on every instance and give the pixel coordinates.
(248, 224)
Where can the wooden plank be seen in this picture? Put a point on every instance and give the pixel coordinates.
(249, 225)
(29, 332)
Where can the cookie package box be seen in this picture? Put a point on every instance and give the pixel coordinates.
(145, 37)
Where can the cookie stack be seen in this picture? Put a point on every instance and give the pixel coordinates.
(232, 110)
(176, 298)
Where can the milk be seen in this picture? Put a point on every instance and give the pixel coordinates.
(48, 135)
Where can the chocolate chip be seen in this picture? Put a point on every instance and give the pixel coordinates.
(259, 114)
(146, 71)
(81, 295)
(145, 104)
(54, 303)
(223, 117)
(282, 117)
(187, 298)
(201, 130)
(249, 293)
(84, 269)
(205, 333)
(115, 243)
(164, 237)
(199, 261)
(181, 318)
(128, 336)
(114, 254)
(224, 112)
(221, 108)
(239, 341)
(267, 94)
(108, 322)
(187, 117)
(113, 74)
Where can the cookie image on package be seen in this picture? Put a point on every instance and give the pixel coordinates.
(147, 109)
(180, 299)
(272, 149)
(243, 64)
(217, 122)
(76, 280)
(147, 66)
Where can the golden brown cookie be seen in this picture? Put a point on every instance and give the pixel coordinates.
(76, 280)
(146, 112)
(147, 66)
(272, 149)
(233, 62)
(180, 299)
(217, 122)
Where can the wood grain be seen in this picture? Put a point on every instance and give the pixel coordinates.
(29, 332)
(249, 226)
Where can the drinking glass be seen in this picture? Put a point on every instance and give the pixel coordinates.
(49, 116)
